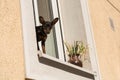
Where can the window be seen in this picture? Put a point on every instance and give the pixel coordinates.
(74, 24)
(44, 8)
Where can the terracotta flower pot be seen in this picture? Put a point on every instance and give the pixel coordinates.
(73, 59)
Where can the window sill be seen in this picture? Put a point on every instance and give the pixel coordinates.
(56, 63)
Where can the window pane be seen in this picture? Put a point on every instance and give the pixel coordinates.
(73, 25)
(44, 9)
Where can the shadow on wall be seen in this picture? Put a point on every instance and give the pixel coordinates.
(111, 24)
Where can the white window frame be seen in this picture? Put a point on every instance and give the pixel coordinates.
(57, 27)
(30, 46)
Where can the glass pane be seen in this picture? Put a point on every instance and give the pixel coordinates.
(45, 10)
(73, 25)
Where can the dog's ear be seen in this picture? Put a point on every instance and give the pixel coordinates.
(54, 21)
(41, 19)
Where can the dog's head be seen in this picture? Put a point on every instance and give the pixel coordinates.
(47, 25)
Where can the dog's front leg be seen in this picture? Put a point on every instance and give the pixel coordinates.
(43, 47)
(38, 46)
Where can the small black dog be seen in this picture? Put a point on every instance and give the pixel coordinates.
(43, 31)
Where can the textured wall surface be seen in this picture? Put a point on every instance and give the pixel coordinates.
(105, 17)
(11, 43)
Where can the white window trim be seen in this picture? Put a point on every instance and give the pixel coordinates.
(90, 39)
(30, 46)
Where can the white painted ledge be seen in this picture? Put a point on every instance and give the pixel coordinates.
(54, 62)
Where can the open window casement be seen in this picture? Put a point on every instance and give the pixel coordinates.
(44, 8)
(73, 24)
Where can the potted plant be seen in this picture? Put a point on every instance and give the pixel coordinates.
(75, 52)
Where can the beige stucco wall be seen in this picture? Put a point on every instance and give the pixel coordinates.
(11, 43)
(107, 40)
